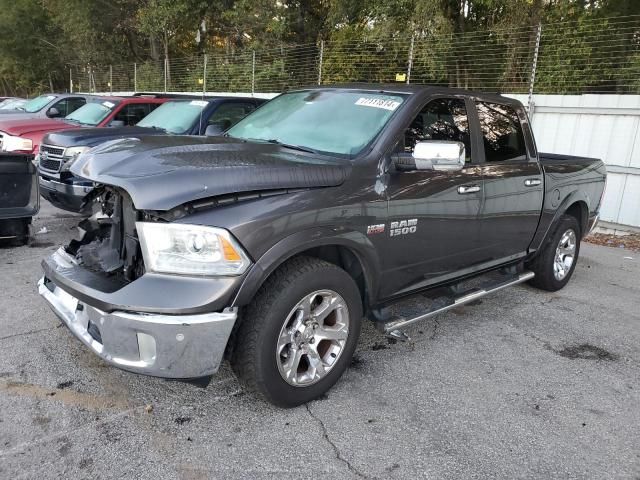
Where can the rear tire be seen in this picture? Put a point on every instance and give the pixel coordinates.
(299, 333)
(556, 261)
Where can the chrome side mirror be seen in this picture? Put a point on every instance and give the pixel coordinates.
(53, 112)
(439, 155)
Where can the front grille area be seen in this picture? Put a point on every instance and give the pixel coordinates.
(52, 151)
(49, 164)
(51, 158)
(109, 244)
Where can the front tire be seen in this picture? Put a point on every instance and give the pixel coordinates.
(299, 333)
(555, 263)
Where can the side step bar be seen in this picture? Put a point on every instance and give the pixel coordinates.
(393, 327)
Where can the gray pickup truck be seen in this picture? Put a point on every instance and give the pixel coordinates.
(268, 245)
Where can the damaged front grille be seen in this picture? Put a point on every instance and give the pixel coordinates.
(109, 243)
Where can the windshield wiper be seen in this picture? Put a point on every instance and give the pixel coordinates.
(154, 127)
(293, 147)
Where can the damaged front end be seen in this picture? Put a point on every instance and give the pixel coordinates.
(157, 324)
(109, 242)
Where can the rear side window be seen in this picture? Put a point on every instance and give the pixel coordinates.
(132, 113)
(228, 114)
(69, 105)
(502, 133)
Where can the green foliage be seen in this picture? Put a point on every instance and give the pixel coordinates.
(482, 44)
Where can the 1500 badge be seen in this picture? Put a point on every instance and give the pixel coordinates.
(402, 227)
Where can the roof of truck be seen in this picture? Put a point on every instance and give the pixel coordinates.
(411, 88)
(108, 98)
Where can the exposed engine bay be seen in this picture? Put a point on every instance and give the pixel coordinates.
(108, 240)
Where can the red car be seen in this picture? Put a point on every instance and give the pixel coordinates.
(24, 136)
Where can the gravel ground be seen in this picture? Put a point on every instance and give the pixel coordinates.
(523, 384)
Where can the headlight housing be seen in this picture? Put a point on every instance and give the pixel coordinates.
(70, 155)
(190, 250)
(16, 144)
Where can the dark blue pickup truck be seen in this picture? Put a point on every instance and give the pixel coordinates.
(269, 245)
(180, 117)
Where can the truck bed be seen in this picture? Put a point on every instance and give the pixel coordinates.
(558, 158)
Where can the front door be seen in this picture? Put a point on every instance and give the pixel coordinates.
(433, 217)
(513, 182)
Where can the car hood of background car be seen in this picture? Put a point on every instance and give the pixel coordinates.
(163, 172)
(90, 136)
(20, 127)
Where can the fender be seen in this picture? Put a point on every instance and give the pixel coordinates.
(549, 219)
(298, 242)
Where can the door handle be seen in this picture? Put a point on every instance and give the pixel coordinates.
(532, 182)
(462, 189)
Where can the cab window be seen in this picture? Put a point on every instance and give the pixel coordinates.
(502, 133)
(132, 113)
(440, 119)
(67, 106)
(228, 114)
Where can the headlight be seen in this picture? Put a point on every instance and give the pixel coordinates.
(190, 250)
(15, 144)
(71, 155)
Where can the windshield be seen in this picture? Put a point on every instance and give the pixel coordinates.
(332, 121)
(37, 104)
(174, 117)
(92, 113)
(12, 104)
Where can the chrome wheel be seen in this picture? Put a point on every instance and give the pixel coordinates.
(312, 338)
(565, 254)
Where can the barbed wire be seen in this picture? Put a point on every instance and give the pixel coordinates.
(587, 56)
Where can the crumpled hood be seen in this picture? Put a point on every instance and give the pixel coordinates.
(163, 172)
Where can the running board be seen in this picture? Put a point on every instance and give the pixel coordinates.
(393, 327)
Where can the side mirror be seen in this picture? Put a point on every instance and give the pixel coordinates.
(213, 131)
(116, 123)
(53, 112)
(436, 155)
(441, 156)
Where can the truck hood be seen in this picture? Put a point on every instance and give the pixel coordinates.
(91, 136)
(20, 115)
(163, 172)
(14, 126)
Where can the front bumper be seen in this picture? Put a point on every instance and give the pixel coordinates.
(68, 196)
(169, 346)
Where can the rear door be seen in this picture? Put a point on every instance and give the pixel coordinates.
(513, 181)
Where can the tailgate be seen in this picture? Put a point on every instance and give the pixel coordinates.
(19, 195)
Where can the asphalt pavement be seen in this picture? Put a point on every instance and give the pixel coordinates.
(522, 384)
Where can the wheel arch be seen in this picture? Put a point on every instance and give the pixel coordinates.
(351, 251)
(576, 203)
(580, 211)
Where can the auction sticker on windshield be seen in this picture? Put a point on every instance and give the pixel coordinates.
(378, 103)
(199, 103)
(108, 104)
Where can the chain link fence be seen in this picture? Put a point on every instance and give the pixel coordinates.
(589, 56)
